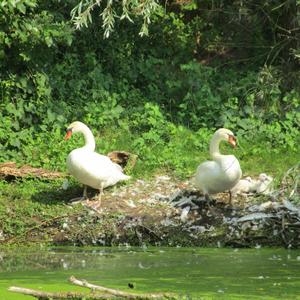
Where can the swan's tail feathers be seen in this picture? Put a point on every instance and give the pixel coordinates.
(125, 177)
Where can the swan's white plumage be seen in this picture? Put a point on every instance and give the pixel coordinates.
(223, 172)
(89, 167)
(93, 169)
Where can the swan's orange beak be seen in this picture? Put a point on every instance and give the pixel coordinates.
(232, 141)
(68, 134)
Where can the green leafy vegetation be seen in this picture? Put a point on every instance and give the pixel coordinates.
(82, 13)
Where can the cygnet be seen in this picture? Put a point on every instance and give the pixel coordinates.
(243, 186)
(264, 184)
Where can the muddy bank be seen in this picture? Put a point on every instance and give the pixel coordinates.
(168, 212)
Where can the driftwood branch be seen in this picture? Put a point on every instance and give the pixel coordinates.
(121, 294)
(59, 295)
(97, 293)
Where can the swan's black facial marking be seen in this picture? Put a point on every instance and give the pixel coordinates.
(68, 133)
(232, 140)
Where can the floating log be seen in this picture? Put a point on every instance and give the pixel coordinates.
(59, 295)
(97, 293)
(121, 294)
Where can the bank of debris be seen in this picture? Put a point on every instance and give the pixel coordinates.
(168, 212)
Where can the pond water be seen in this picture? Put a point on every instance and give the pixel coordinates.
(202, 273)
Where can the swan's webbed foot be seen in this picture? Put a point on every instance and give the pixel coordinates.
(77, 200)
(94, 205)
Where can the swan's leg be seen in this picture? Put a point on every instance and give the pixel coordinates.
(79, 199)
(100, 193)
(210, 208)
(97, 202)
(207, 198)
(84, 192)
(230, 197)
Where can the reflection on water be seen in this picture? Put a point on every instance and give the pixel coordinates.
(207, 273)
(53, 259)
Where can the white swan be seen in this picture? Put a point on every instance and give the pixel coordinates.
(88, 167)
(223, 172)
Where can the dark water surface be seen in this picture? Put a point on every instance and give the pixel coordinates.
(203, 273)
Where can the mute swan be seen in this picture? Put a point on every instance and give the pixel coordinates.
(223, 172)
(88, 167)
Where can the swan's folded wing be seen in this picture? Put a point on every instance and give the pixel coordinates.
(208, 168)
(92, 163)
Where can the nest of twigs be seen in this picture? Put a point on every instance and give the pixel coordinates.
(290, 184)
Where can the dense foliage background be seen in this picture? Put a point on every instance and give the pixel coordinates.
(205, 64)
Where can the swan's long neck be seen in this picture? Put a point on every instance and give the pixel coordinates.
(88, 138)
(214, 150)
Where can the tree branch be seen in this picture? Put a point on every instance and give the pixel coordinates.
(97, 293)
(67, 295)
(118, 293)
